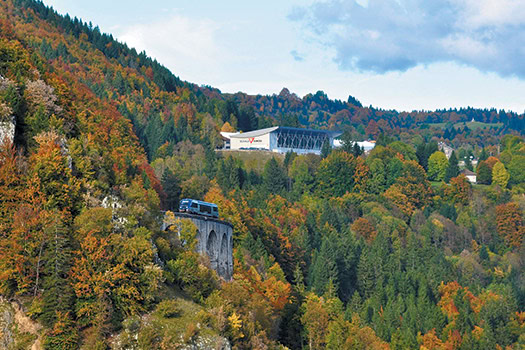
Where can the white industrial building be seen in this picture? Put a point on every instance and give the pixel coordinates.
(281, 139)
(367, 146)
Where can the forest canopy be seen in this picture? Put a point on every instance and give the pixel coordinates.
(390, 249)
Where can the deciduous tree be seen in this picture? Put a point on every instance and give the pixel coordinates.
(437, 166)
(510, 223)
(364, 228)
(460, 190)
(500, 175)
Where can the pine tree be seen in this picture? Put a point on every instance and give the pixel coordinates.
(288, 159)
(357, 151)
(354, 305)
(63, 335)
(335, 175)
(57, 292)
(483, 253)
(468, 163)
(326, 149)
(171, 188)
(453, 168)
(274, 177)
(347, 142)
(422, 156)
(324, 269)
(365, 275)
(484, 174)
(483, 156)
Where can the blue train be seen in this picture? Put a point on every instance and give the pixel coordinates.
(194, 206)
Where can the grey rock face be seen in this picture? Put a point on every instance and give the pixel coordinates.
(7, 318)
(7, 129)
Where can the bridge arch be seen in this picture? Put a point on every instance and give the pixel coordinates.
(214, 238)
(223, 257)
(211, 249)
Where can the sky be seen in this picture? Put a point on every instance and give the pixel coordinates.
(392, 54)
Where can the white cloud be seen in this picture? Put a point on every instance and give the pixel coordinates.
(187, 46)
(396, 35)
(478, 13)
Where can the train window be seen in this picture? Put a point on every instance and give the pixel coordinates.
(215, 209)
(205, 209)
(194, 205)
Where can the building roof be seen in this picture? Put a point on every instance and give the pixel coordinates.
(467, 172)
(260, 132)
(227, 135)
(255, 133)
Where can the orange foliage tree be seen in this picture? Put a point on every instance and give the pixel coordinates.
(411, 190)
(365, 229)
(460, 190)
(510, 223)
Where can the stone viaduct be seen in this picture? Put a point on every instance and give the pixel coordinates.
(214, 238)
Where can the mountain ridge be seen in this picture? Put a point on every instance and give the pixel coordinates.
(392, 249)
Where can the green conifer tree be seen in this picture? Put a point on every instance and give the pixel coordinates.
(483, 156)
(324, 269)
(453, 168)
(274, 177)
(326, 149)
(484, 174)
(171, 188)
(57, 292)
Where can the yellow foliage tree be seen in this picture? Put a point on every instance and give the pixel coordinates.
(500, 175)
(226, 127)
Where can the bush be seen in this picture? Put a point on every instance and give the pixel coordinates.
(194, 278)
(169, 309)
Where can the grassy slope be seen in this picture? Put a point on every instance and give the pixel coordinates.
(471, 125)
(253, 159)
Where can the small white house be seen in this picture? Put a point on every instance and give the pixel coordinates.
(471, 176)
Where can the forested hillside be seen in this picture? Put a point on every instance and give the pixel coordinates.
(394, 249)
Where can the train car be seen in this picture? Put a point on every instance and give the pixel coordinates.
(195, 206)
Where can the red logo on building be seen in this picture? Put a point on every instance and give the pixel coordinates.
(251, 139)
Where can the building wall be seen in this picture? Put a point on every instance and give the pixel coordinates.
(260, 142)
(296, 150)
(471, 178)
(274, 146)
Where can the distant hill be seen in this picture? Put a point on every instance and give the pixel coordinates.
(165, 110)
(471, 125)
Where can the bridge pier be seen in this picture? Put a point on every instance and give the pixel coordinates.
(215, 238)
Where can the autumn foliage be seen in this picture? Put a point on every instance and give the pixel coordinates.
(364, 228)
(347, 250)
(510, 224)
